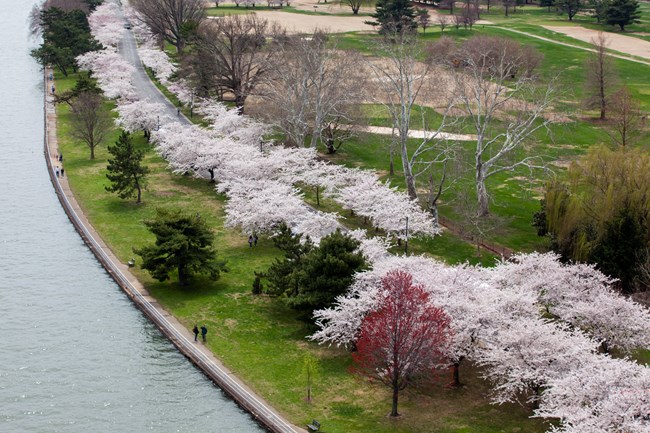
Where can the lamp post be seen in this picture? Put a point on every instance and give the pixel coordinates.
(406, 235)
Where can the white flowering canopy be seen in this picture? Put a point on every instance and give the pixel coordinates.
(107, 25)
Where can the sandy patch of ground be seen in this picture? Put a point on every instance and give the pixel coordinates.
(330, 7)
(299, 23)
(624, 44)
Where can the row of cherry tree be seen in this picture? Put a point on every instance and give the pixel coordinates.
(537, 326)
(261, 180)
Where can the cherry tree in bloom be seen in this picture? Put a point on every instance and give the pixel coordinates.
(386, 207)
(158, 61)
(405, 338)
(106, 24)
(141, 116)
(578, 294)
(229, 123)
(524, 356)
(472, 305)
(114, 74)
(603, 396)
(182, 91)
(181, 145)
(260, 205)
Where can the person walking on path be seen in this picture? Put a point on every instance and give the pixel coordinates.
(62, 171)
(250, 241)
(196, 333)
(56, 170)
(255, 239)
(60, 157)
(204, 331)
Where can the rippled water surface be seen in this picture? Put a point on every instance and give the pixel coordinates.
(75, 355)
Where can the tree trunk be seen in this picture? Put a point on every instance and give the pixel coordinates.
(456, 375)
(211, 171)
(137, 185)
(92, 151)
(408, 174)
(601, 89)
(393, 411)
(239, 101)
(482, 194)
(317, 196)
(182, 276)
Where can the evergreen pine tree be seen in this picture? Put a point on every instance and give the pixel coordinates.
(394, 17)
(125, 170)
(184, 242)
(622, 12)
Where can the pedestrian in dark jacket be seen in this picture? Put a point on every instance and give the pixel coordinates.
(196, 333)
(204, 332)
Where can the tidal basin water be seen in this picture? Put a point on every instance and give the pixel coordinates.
(75, 354)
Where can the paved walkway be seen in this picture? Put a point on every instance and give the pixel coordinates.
(180, 336)
(415, 133)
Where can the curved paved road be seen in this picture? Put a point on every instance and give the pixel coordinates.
(145, 89)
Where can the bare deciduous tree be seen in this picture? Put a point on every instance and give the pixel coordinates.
(90, 120)
(313, 89)
(442, 21)
(171, 19)
(423, 19)
(625, 120)
(600, 76)
(240, 50)
(355, 5)
(402, 81)
(503, 103)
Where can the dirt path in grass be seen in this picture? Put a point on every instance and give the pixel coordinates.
(541, 38)
(624, 44)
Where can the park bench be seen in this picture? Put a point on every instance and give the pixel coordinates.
(314, 426)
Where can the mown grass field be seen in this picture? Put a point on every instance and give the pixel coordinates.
(258, 337)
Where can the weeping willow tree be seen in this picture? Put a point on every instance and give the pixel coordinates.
(600, 212)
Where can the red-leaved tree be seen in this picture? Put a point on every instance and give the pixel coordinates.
(405, 338)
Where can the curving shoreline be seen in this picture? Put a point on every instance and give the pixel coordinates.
(179, 336)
